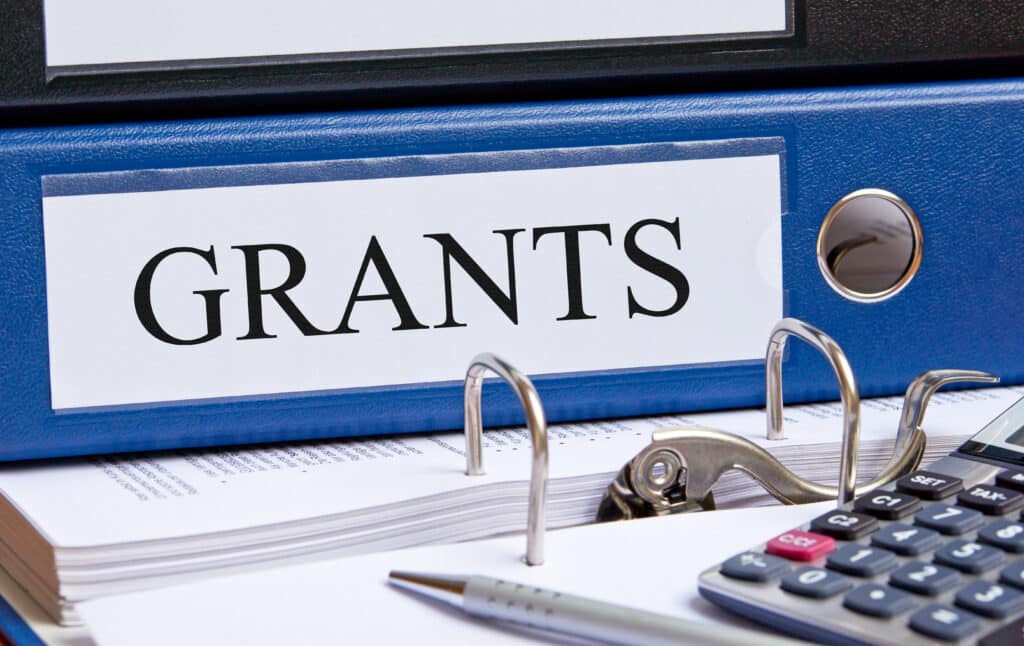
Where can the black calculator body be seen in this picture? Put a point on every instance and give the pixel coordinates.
(934, 557)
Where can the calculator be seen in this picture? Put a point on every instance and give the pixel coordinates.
(935, 557)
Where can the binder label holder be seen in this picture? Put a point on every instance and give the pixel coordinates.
(133, 34)
(180, 285)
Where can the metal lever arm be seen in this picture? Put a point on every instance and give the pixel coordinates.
(706, 454)
(692, 459)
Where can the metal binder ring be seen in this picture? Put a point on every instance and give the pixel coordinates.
(535, 422)
(822, 342)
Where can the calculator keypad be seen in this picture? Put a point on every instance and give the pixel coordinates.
(946, 569)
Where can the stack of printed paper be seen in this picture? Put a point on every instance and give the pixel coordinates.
(75, 530)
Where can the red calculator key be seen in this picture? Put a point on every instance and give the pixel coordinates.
(798, 545)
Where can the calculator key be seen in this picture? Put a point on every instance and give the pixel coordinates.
(949, 519)
(969, 557)
(797, 545)
(906, 539)
(844, 525)
(1011, 479)
(752, 566)
(929, 485)
(994, 501)
(990, 599)
(887, 505)
(925, 578)
(861, 560)
(1004, 534)
(815, 582)
(944, 622)
(878, 600)
(1013, 575)
(1008, 635)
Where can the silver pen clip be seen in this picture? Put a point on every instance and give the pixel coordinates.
(677, 471)
(535, 422)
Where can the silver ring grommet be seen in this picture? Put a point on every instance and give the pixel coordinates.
(869, 246)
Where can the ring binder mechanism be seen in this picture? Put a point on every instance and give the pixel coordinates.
(677, 471)
(535, 422)
(848, 393)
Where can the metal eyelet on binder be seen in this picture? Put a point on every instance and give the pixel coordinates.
(537, 426)
(677, 471)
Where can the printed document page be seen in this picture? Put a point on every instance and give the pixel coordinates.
(118, 499)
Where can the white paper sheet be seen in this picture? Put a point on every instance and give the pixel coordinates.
(651, 564)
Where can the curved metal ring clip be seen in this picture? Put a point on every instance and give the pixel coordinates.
(676, 471)
(538, 427)
(822, 342)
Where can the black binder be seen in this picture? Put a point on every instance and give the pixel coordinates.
(825, 42)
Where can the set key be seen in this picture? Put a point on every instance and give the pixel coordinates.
(928, 485)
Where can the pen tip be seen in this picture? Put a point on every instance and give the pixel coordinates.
(444, 588)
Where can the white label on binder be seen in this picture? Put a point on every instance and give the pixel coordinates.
(240, 290)
(105, 32)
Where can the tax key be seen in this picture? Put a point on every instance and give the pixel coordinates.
(994, 501)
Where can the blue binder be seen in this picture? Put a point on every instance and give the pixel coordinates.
(952, 151)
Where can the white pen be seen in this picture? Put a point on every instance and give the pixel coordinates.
(564, 613)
